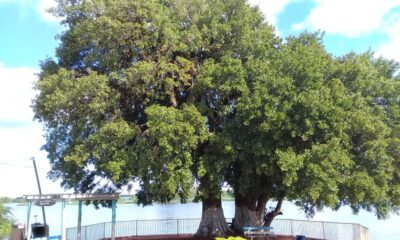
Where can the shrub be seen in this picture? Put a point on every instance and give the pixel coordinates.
(230, 238)
(5, 221)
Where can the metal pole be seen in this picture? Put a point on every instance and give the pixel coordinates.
(78, 235)
(40, 190)
(104, 230)
(63, 235)
(291, 227)
(28, 218)
(113, 218)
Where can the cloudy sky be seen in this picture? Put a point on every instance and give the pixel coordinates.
(27, 35)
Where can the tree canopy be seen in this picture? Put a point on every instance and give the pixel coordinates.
(318, 130)
(191, 95)
(140, 88)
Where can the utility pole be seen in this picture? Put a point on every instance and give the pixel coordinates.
(40, 190)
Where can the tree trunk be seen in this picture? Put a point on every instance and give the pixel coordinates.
(244, 216)
(249, 212)
(213, 221)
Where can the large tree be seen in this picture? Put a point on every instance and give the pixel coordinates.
(140, 90)
(176, 94)
(318, 130)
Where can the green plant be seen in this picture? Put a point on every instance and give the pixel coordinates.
(5, 221)
(230, 238)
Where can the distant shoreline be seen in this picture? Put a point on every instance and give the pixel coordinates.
(123, 200)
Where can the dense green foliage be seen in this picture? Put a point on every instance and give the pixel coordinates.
(198, 93)
(5, 222)
(319, 130)
(140, 91)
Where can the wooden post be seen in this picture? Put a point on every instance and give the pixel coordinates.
(78, 235)
(113, 218)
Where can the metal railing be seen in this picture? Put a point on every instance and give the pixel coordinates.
(289, 227)
(136, 228)
(320, 230)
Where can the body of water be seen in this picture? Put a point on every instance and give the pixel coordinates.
(379, 229)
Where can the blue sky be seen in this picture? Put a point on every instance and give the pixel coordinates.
(27, 36)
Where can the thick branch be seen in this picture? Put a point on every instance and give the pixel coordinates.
(271, 215)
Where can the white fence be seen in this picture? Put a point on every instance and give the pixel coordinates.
(320, 230)
(288, 227)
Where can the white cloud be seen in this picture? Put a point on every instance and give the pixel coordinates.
(20, 137)
(44, 6)
(271, 8)
(17, 176)
(391, 48)
(350, 18)
(16, 92)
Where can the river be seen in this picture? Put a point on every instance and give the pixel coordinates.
(379, 229)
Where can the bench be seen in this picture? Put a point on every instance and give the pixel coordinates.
(58, 237)
(258, 231)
